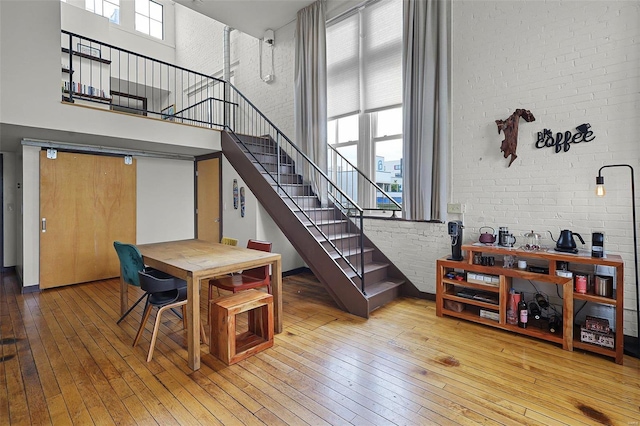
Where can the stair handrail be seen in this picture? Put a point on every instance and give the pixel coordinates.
(375, 185)
(294, 146)
(322, 175)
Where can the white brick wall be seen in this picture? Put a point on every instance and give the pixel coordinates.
(568, 63)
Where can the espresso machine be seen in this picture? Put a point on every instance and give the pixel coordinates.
(455, 232)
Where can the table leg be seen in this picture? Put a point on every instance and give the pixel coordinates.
(276, 289)
(124, 296)
(193, 322)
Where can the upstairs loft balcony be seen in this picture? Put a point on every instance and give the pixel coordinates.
(103, 76)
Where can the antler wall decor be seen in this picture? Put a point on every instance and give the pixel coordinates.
(510, 129)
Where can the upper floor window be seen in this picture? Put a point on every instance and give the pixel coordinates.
(149, 18)
(107, 8)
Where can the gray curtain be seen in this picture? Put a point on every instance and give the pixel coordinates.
(425, 108)
(310, 93)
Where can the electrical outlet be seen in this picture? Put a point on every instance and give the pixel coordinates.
(454, 208)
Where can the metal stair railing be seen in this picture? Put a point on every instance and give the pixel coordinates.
(358, 186)
(282, 161)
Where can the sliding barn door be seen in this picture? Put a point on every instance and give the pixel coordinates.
(86, 203)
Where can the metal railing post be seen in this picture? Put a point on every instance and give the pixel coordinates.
(70, 68)
(362, 251)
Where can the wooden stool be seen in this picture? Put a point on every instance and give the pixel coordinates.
(228, 346)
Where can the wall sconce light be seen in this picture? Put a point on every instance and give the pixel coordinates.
(629, 347)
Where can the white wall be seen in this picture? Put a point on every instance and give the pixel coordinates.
(199, 42)
(9, 207)
(28, 263)
(165, 200)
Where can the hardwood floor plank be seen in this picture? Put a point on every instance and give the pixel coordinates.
(23, 382)
(447, 404)
(66, 361)
(58, 410)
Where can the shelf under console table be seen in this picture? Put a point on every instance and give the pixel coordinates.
(492, 311)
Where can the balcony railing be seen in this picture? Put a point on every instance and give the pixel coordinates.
(110, 77)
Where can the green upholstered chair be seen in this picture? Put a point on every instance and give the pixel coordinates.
(130, 264)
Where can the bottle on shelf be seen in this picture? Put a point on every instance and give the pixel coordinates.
(535, 310)
(512, 309)
(523, 313)
(554, 324)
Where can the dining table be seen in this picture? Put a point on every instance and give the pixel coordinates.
(197, 261)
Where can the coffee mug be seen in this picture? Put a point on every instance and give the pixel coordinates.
(522, 264)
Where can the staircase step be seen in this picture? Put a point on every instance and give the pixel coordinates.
(304, 201)
(329, 227)
(285, 178)
(294, 189)
(317, 214)
(368, 268)
(381, 286)
(353, 255)
(382, 292)
(267, 157)
(373, 272)
(273, 168)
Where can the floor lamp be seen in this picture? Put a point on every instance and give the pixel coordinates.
(629, 347)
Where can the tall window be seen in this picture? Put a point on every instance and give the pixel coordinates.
(107, 8)
(364, 91)
(149, 18)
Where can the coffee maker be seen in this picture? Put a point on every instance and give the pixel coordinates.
(597, 244)
(455, 232)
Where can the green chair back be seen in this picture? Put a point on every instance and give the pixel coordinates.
(130, 262)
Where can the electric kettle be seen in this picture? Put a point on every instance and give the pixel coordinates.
(565, 242)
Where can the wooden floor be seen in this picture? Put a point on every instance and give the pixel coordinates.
(63, 360)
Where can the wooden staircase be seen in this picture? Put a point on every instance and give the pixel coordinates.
(326, 239)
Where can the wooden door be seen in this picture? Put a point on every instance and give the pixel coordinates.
(208, 184)
(86, 203)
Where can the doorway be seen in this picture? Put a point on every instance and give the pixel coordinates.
(208, 206)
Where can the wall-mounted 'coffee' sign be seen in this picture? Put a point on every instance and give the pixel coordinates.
(563, 141)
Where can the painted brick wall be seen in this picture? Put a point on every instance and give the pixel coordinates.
(569, 63)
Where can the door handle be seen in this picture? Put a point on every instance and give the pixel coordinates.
(217, 220)
(44, 224)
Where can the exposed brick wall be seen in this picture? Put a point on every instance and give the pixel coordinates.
(568, 63)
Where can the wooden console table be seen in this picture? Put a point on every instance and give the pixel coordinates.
(569, 337)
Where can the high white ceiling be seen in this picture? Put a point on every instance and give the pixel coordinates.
(252, 17)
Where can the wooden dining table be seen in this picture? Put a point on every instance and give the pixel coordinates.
(197, 261)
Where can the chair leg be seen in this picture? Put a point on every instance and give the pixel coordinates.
(184, 316)
(131, 308)
(154, 336)
(145, 317)
(156, 326)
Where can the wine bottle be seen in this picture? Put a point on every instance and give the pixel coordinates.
(535, 310)
(554, 324)
(523, 313)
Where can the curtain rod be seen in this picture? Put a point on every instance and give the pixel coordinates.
(351, 10)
